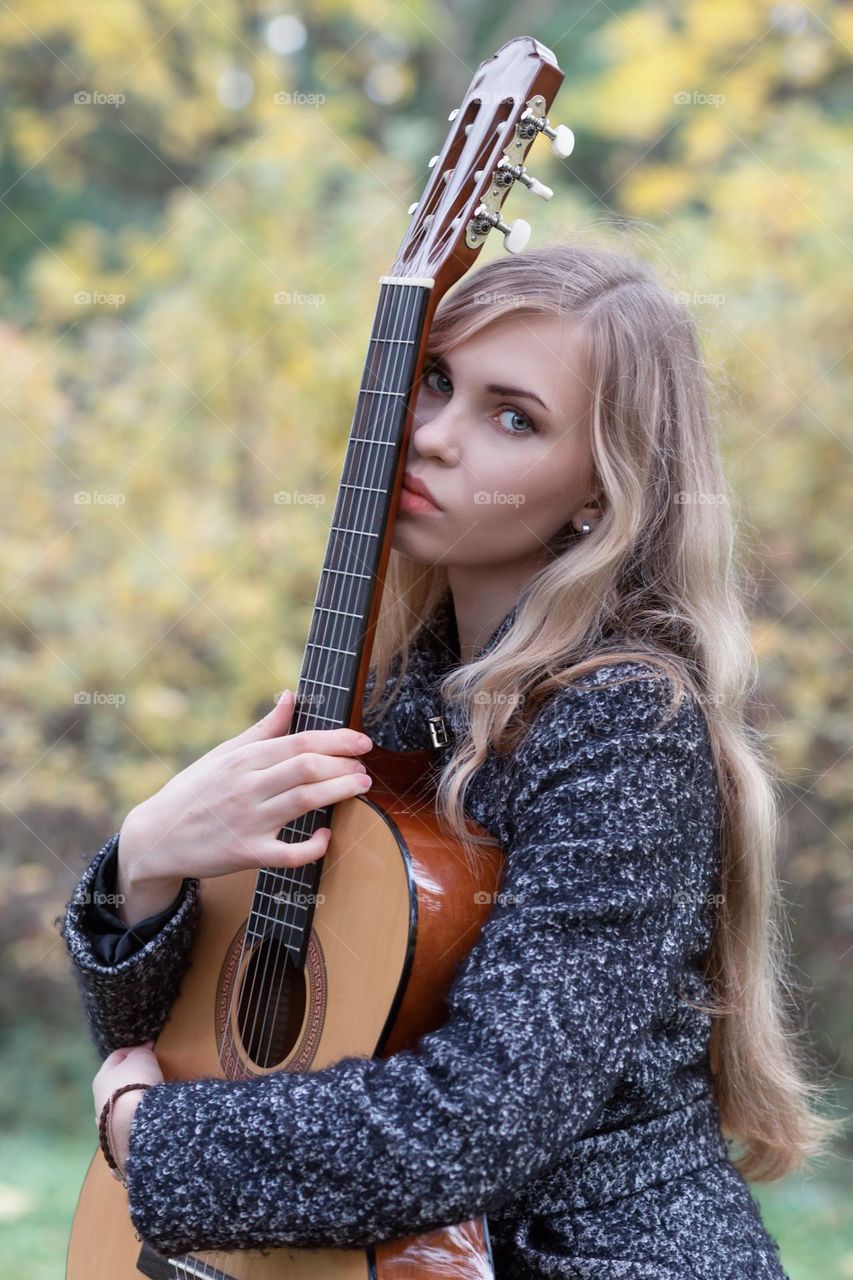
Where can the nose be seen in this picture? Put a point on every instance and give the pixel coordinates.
(435, 435)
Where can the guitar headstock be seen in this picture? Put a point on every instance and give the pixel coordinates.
(503, 112)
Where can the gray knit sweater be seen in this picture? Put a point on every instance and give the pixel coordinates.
(570, 1073)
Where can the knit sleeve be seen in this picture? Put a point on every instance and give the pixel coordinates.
(608, 858)
(112, 939)
(126, 999)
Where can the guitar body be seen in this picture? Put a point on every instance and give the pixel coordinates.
(397, 910)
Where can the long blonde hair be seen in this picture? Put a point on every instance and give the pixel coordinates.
(662, 570)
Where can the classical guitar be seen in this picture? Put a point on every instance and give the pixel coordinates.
(293, 969)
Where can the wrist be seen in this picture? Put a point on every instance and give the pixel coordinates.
(115, 1124)
(121, 1120)
(140, 889)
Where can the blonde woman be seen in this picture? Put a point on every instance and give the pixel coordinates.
(563, 591)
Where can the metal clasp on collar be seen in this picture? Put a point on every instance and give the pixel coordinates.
(438, 731)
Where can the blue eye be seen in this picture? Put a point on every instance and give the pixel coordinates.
(524, 418)
(437, 372)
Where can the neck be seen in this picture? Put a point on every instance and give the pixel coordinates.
(482, 599)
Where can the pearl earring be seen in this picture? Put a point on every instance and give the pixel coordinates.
(586, 528)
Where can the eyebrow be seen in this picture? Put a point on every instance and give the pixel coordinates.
(498, 388)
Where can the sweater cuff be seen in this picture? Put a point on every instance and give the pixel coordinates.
(111, 939)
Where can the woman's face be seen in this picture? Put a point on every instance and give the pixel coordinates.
(506, 471)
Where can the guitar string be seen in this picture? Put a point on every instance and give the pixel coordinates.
(385, 313)
(393, 312)
(376, 372)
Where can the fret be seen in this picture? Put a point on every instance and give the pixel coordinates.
(326, 685)
(335, 720)
(367, 391)
(350, 573)
(367, 533)
(367, 488)
(260, 915)
(391, 444)
(276, 898)
(192, 1267)
(408, 342)
(284, 873)
(312, 644)
(299, 886)
(342, 613)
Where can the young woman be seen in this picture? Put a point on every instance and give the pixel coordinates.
(565, 596)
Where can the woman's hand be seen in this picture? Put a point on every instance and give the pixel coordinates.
(134, 1065)
(223, 813)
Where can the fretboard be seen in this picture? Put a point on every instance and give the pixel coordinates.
(285, 899)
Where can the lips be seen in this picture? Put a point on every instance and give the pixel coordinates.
(414, 485)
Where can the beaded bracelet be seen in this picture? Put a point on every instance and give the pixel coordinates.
(105, 1129)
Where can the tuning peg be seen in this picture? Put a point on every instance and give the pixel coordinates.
(413, 206)
(516, 235)
(454, 113)
(520, 174)
(432, 162)
(562, 140)
(535, 187)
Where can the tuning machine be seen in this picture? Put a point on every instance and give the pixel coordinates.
(518, 173)
(562, 138)
(516, 234)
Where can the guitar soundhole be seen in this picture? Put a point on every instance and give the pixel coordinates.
(272, 1004)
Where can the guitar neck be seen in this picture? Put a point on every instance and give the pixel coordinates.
(350, 585)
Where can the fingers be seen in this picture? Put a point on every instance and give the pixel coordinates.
(264, 753)
(308, 767)
(281, 853)
(295, 800)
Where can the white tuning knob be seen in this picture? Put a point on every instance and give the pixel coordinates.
(432, 162)
(413, 206)
(454, 113)
(563, 141)
(516, 235)
(538, 188)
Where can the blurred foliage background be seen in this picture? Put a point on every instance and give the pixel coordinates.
(197, 200)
